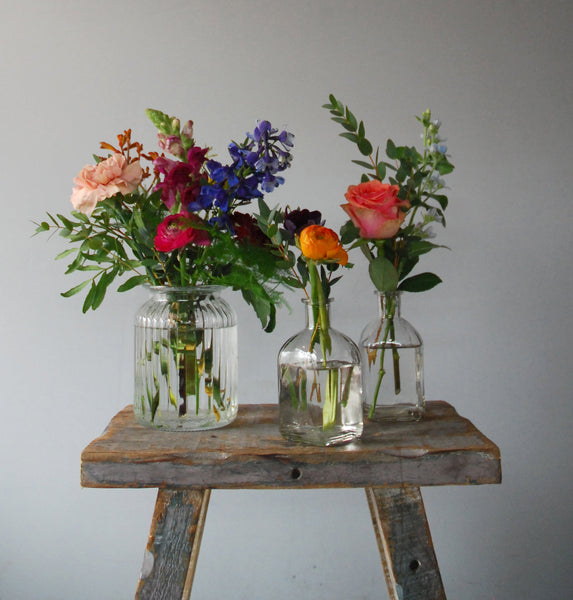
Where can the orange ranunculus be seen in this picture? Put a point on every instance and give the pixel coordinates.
(375, 209)
(320, 243)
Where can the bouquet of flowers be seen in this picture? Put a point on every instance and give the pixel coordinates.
(176, 221)
(391, 222)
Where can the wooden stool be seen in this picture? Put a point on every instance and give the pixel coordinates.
(391, 462)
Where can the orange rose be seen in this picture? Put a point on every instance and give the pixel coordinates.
(375, 209)
(320, 243)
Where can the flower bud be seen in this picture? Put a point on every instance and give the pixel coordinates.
(187, 130)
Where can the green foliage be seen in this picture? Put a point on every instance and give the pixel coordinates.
(418, 175)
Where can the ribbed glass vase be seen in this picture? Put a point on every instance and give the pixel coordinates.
(320, 392)
(186, 359)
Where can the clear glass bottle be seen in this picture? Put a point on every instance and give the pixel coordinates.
(320, 390)
(186, 359)
(392, 363)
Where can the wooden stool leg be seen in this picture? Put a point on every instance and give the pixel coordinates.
(405, 544)
(173, 546)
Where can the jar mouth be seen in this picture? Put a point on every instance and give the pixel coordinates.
(184, 293)
(186, 289)
(309, 302)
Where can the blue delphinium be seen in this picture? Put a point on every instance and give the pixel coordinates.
(256, 162)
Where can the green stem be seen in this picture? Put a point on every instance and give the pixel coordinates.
(388, 316)
(322, 327)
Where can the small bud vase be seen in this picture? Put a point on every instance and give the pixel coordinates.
(185, 359)
(320, 392)
(392, 363)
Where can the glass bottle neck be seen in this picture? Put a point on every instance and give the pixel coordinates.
(317, 315)
(389, 304)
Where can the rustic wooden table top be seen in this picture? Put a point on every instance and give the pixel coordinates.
(442, 449)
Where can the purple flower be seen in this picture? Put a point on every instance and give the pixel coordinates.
(296, 220)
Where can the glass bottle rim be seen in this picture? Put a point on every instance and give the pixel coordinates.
(309, 302)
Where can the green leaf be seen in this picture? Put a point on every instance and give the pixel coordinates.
(132, 282)
(416, 248)
(440, 199)
(419, 283)
(381, 170)
(383, 274)
(89, 298)
(76, 289)
(65, 253)
(344, 123)
(444, 167)
(391, 150)
(352, 122)
(43, 226)
(349, 136)
(264, 209)
(362, 163)
(348, 233)
(365, 147)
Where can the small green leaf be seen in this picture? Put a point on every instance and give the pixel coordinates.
(381, 170)
(65, 253)
(420, 283)
(132, 282)
(76, 289)
(444, 168)
(362, 163)
(348, 233)
(264, 210)
(383, 274)
(89, 298)
(349, 136)
(391, 150)
(43, 226)
(352, 122)
(365, 147)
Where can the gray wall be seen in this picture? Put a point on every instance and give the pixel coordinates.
(497, 332)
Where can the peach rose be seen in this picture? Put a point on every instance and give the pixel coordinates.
(104, 180)
(320, 243)
(375, 209)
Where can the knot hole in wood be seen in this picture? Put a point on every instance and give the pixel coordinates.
(295, 473)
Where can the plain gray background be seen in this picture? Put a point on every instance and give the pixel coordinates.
(497, 332)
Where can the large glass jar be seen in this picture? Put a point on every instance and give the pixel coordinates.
(186, 359)
(320, 391)
(392, 363)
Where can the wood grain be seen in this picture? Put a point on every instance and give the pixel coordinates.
(173, 546)
(442, 449)
(405, 544)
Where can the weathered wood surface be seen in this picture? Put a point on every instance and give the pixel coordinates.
(173, 546)
(405, 544)
(442, 449)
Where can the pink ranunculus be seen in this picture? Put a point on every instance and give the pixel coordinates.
(104, 180)
(176, 231)
(374, 207)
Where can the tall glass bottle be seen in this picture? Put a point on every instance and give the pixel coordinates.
(392, 363)
(186, 359)
(320, 392)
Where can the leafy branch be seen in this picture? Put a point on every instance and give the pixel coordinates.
(418, 176)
